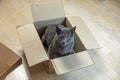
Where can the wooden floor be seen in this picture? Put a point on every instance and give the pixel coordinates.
(102, 18)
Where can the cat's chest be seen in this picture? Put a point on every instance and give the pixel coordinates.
(64, 48)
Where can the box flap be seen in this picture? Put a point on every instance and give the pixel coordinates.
(71, 62)
(8, 60)
(33, 48)
(46, 14)
(83, 32)
(47, 11)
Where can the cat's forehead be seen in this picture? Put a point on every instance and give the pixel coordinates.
(65, 29)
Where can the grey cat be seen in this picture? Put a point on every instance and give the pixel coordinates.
(59, 40)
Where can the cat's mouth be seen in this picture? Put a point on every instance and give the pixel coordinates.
(63, 51)
(62, 54)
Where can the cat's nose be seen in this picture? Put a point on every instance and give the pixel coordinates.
(63, 43)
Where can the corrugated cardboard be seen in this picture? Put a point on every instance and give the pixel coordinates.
(45, 14)
(83, 32)
(8, 60)
(72, 62)
(34, 51)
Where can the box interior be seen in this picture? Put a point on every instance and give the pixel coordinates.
(78, 46)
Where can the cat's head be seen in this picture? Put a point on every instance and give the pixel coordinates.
(65, 35)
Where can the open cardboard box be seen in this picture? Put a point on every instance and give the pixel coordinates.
(53, 13)
(8, 61)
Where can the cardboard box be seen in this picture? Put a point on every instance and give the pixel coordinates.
(53, 13)
(8, 61)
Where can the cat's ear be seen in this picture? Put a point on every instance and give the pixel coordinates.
(72, 30)
(58, 30)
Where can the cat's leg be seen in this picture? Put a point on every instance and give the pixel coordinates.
(43, 38)
(53, 56)
(50, 52)
(71, 52)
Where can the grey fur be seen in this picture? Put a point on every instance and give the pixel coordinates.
(59, 40)
(49, 34)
